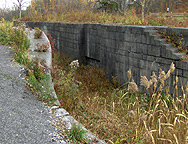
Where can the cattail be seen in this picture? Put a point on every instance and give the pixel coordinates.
(176, 80)
(154, 77)
(168, 74)
(172, 67)
(186, 89)
(162, 76)
(129, 74)
(144, 81)
(160, 89)
(174, 83)
(154, 80)
(150, 83)
(155, 87)
(182, 89)
(176, 90)
(132, 87)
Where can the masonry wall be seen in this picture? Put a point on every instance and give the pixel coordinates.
(117, 49)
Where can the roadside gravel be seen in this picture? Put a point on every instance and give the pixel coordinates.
(23, 119)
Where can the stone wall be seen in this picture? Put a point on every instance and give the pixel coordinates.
(117, 48)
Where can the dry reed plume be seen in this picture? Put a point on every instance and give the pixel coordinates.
(164, 118)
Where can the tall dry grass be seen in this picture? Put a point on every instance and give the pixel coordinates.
(164, 119)
(120, 116)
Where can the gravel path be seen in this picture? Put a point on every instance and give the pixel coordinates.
(23, 119)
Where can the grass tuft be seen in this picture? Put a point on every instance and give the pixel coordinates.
(76, 134)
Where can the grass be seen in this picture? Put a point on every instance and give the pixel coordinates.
(117, 115)
(76, 134)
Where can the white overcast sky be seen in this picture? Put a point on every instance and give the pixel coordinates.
(10, 3)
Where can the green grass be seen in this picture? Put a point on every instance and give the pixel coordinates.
(76, 134)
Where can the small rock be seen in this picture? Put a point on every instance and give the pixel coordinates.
(53, 108)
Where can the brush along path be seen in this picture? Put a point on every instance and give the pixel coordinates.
(23, 119)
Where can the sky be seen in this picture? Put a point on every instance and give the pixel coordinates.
(10, 3)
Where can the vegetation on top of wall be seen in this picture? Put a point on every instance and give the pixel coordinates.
(106, 12)
(128, 18)
(37, 33)
(175, 38)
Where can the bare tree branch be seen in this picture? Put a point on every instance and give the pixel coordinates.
(20, 4)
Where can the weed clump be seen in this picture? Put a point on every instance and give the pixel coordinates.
(76, 134)
(42, 47)
(38, 79)
(174, 38)
(37, 33)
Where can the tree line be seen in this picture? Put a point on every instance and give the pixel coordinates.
(142, 7)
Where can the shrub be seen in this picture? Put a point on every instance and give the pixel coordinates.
(37, 33)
